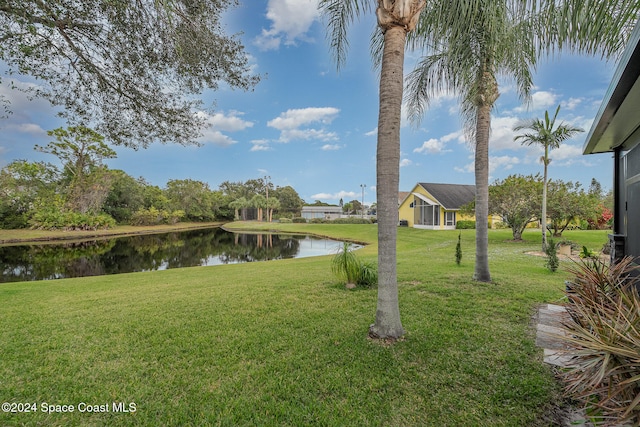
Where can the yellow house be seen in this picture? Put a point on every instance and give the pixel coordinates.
(436, 206)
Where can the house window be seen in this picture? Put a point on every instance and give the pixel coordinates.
(450, 218)
(426, 214)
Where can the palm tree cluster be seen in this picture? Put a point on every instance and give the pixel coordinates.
(467, 45)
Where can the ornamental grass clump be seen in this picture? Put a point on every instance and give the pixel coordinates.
(346, 266)
(604, 336)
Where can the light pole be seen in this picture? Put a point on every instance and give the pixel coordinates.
(362, 208)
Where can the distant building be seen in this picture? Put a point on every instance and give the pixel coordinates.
(322, 212)
(435, 206)
(616, 129)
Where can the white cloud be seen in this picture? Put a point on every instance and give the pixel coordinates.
(373, 132)
(431, 146)
(459, 135)
(290, 122)
(260, 145)
(331, 147)
(572, 103)
(335, 196)
(495, 163)
(305, 134)
(290, 21)
(405, 162)
(292, 119)
(540, 100)
(502, 162)
(566, 152)
(28, 128)
(502, 133)
(230, 123)
(219, 122)
(216, 137)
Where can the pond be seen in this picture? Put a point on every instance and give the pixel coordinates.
(201, 247)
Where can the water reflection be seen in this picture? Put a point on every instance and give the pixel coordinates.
(152, 252)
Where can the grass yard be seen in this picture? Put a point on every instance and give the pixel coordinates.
(283, 343)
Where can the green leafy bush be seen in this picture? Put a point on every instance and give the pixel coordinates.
(52, 219)
(299, 220)
(284, 220)
(466, 225)
(604, 333)
(153, 216)
(553, 262)
(459, 250)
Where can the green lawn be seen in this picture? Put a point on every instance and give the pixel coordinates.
(283, 343)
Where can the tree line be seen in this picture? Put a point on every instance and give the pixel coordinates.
(85, 194)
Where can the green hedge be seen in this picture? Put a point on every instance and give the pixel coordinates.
(465, 225)
(153, 216)
(55, 220)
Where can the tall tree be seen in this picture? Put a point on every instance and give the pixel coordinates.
(82, 151)
(517, 200)
(23, 186)
(567, 202)
(468, 44)
(130, 69)
(395, 19)
(193, 197)
(549, 136)
(290, 201)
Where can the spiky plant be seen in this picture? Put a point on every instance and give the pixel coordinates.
(604, 336)
(459, 250)
(346, 265)
(368, 275)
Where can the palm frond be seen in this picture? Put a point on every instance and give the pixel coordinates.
(339, 15)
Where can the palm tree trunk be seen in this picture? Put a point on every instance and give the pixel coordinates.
(388, 322)
(483, 126)
(543, 220)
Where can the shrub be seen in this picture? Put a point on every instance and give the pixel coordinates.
(553, 262)
(604, 333)
(351, 220)
(317, 221)
(284, 220)
(465, 225)
(154, 216)
(299, 220)
(459, 250)
(54, 219)
(368, 275)
(346, 266)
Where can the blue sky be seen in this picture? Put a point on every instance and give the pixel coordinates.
(311, 127)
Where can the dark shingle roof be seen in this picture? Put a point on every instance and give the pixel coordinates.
(451, 196)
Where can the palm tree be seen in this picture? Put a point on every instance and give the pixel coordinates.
(239, 203)
(259, 202)
(544, 134)
(271, 204)
(471, 43)
(395, 19)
